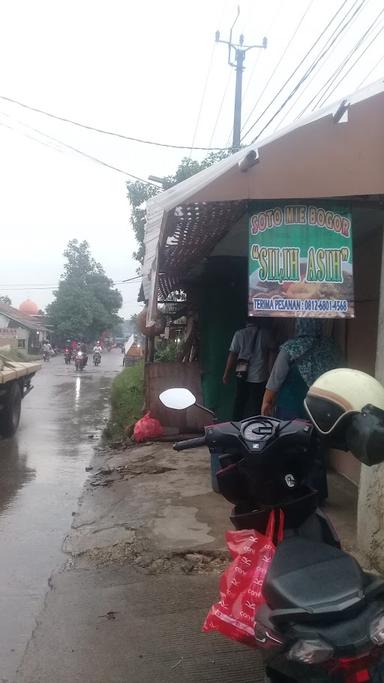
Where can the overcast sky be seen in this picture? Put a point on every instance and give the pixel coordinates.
(145, 69)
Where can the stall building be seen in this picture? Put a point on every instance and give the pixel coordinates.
(198, 240)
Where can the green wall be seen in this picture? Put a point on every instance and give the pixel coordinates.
(223, 310)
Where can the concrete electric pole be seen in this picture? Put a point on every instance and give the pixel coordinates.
(238, 51)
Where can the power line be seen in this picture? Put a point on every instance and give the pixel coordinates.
(202, 100)
(221, 108)
(370, 72)
(308, 73)
(281, 89)
(103, 131)
(354, 64)
(259, 53)
(73, 149)
(55, 284)
(31, 137)
(322, 97)
(303, 93)
(323, 51)
(328, 84)
(50, 288)
(288, 45)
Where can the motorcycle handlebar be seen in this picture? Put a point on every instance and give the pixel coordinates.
(189, 443)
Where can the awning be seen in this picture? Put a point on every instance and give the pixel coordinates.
(336, 152)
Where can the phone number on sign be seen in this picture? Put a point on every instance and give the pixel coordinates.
(305, 305)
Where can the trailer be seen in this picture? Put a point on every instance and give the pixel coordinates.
(15, 384)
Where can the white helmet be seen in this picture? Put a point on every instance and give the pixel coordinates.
(339, 393)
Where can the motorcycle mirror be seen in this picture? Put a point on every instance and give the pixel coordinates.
(364, 435)
(177, 398)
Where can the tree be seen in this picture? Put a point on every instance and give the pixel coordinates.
(85, 303)
(5, 300)
(139, 193)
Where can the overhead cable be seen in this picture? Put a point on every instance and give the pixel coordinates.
(276, 14)
(364, 80)
(324, 96)
(103, 131)
(297, 68)
(202, 100)
(221, 106)
(73, 149)
(307, 74)
(314, 75)
(50, 288)
(288, 45)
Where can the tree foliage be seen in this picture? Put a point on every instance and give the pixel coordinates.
(86, 303)
(139, 193)
(5, 300)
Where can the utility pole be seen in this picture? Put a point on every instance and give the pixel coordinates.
(239, 50)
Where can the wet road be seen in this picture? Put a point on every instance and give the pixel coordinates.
(42, 470)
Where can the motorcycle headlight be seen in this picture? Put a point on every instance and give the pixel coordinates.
(376, 630)
(310, 651)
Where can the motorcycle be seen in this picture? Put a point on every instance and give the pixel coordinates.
(46, 356)
(323, 615)
(80, 360)
(97, 358)
(67, 356)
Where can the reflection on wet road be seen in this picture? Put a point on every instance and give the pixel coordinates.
(42, 471)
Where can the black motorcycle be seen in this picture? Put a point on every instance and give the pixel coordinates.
(97, 358)
(323, 617)
(80, 360)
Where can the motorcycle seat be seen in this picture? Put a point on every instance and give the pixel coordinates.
(309, 578)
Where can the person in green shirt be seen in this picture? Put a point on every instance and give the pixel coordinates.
(299, 363)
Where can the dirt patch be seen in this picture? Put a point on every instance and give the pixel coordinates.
(138, 553)
(146, 466)
(130, 471)
(185, 563)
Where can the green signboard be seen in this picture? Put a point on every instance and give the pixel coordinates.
(300, 261)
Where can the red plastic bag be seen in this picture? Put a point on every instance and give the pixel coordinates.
(147, 428)
(242, 582)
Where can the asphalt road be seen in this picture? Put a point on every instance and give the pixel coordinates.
(42, 470)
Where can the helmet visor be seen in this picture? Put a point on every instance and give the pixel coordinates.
(323, 412)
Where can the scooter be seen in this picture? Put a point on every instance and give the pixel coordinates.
(67, 356)
(97, 358)
(323, 616)
(80, 361)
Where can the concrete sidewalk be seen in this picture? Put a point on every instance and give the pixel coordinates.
(145, 551)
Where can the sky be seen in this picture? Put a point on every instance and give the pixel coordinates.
(151, 70)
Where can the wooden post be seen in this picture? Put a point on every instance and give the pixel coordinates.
(151, 349)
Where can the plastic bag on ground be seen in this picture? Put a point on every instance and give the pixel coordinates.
(147, 428)
(241, 584)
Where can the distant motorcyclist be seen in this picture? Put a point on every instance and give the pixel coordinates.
(68, 351)
(47, 350)
(97, 350)
(82, 347)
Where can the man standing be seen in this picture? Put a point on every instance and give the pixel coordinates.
(251, 354)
